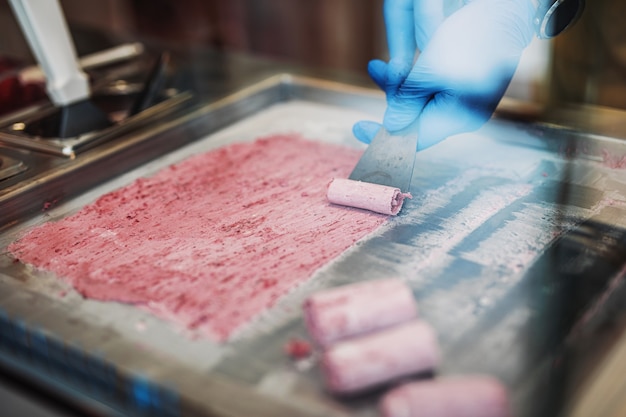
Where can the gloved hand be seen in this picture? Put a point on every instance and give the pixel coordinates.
(464, 66)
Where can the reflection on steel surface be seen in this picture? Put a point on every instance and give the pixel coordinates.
(10, 167)
(69, 147)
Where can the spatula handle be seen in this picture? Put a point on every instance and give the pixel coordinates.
(46, 31)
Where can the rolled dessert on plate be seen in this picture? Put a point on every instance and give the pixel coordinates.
(369, 361)
(454, 396)
(364, 195)
(338, 313)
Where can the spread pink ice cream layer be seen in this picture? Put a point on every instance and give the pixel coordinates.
(212, 241)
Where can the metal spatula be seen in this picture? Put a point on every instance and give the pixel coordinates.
(388, 160)
(44, 26)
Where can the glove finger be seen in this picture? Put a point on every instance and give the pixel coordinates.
(365, 130)
(388, 76)
(377, 70)
(400, 27)
(428, 15)
(405, 105)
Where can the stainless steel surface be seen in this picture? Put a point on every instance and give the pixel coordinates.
(119, 74)
(513, 243)
(16, 132)
(388, 160)
(10, 167)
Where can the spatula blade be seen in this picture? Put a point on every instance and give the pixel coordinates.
(388, 160)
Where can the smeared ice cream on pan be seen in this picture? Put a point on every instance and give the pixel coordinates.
(212, 241)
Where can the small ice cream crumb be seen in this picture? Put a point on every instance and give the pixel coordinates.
(298, 348)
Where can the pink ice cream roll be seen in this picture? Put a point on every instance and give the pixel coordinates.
(355, 309)
(364, 195)
(462, 396)
(368, 361)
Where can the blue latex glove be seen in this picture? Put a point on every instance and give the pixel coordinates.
(466, 63)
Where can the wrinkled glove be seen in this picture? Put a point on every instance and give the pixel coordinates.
(465, 63)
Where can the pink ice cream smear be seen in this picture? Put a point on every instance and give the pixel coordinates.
(213, 241)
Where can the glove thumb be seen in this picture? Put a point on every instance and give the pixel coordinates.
(365, 130)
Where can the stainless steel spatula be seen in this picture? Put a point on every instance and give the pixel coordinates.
(46, 31)
(388, 160)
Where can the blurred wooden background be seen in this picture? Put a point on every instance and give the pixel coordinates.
(585, 65)
(340, 34)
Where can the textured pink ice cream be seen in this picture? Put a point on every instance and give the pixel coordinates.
(210, 242)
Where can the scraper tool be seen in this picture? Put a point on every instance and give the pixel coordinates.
(388, 160)
(45, 29)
